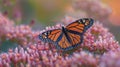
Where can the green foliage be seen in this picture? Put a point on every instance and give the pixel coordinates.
(6, 45)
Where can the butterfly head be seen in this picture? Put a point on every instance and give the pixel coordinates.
(87, 22)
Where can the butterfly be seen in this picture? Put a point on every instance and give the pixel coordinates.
(68, 37)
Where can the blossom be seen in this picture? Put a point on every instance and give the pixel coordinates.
(5, 25)
(21, 34)
(93, 52)
(111, 59)
(35, 57)
(99, 39)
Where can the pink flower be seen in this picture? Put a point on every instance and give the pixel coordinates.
(97, 39)
(21, 34)
(35, 57)
(111, 59)
(5, 25)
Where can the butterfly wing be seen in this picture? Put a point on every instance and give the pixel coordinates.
(80, 26)
(66, 45)
(50, 36)
(74, 34)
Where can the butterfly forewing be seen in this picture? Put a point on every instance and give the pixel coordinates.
(50, 35)
(76, 26)
(80, 26)
(54, 34)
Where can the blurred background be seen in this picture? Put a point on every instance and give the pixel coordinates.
(42, 13)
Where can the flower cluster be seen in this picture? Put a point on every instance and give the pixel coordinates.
(99, 40)
(93, 8)
(21, 34)
(111, 59)
(5, 25)
(38, 54)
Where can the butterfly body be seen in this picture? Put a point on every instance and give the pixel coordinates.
(68, 37)
(64, 31)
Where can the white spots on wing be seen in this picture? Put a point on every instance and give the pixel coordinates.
(79, 21)
(45, 33)
(83, 21)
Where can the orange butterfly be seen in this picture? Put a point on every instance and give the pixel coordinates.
(68, 37)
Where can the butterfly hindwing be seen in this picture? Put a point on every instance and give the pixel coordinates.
(65, 45)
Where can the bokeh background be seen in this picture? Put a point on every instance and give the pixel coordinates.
(41, 13)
